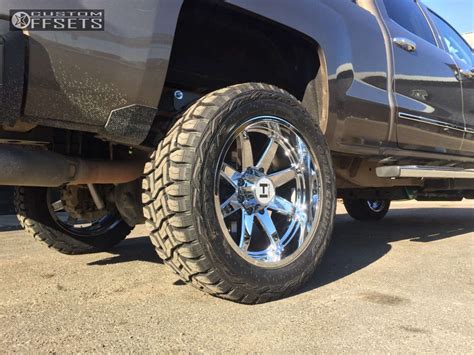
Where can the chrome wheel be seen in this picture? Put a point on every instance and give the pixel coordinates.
(267, 191)
(376, 205)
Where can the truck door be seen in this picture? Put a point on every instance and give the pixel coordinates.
(427, 91)
(462, 54)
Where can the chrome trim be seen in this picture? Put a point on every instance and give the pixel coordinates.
(431, 121)
(427, 172)
(398, 152)
(405, 44)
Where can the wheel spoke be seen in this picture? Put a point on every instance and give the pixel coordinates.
(246, 230)
(230, 206)
(229, 174)
(282, 177)
(269, 227)
(268, 155)
(245, 150)
(301, 218)
(282, 206)
(304, 156)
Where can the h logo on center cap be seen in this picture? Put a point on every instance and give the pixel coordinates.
(264, 188)
(264, 191)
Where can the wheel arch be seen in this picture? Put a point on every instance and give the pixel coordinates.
(220, 44)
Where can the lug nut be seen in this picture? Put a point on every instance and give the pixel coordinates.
(241, 182)
(240, 198)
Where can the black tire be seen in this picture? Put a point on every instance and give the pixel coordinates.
(179, 203)
(361, 210)
(36, 219)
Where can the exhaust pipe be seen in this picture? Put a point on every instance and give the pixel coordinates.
(42, 168)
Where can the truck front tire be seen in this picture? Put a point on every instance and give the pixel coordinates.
(240, 195)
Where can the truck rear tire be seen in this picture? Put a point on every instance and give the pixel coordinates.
(240, 195)
(367, 210)
(38, 217)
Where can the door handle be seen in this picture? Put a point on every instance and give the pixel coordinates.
(468, 74)
(405, 44)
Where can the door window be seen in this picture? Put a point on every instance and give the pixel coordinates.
(452, 41)
(408, 15)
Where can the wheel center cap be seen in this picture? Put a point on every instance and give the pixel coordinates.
(264, 191)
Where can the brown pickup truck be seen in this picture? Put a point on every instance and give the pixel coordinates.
(230, 127)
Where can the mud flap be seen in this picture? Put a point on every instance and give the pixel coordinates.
(12, 73)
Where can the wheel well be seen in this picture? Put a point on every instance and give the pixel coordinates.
(218, 45)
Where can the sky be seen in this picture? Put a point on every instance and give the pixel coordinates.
(459, 13)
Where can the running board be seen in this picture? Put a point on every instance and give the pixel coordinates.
(427, 172)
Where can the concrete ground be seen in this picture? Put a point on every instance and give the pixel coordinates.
(405, 284)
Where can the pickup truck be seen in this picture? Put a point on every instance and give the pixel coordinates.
(230, 127)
